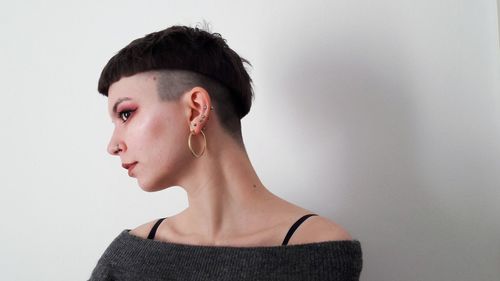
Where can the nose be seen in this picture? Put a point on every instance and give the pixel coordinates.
(115, 146)
(114, 149)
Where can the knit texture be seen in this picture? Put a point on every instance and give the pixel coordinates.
(130, 257)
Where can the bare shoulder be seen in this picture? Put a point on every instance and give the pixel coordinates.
(143, 229)
(319, 229)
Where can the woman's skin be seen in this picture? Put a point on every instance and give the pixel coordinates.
(228, 204)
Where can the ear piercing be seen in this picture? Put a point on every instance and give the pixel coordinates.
(203, 116)
(204, 146)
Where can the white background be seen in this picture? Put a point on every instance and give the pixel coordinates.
(382, 115)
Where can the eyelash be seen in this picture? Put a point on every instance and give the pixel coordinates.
(124, 111)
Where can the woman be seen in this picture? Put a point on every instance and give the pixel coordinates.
(176, 98)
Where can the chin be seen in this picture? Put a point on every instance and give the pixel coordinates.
(146, 186)
(150, 186)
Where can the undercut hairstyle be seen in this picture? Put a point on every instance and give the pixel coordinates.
(186, 57)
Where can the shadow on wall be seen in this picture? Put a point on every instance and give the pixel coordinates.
(359, 96)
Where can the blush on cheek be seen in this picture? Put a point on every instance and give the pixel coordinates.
(162, 128)
(149, 126)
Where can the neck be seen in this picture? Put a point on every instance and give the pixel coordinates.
(225, 194)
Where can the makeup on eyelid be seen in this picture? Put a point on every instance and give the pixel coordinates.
(125, 107)
(121, 110)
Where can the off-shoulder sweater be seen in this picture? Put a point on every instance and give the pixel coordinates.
(130, 257)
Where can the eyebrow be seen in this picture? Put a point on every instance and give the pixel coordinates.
(120, 100)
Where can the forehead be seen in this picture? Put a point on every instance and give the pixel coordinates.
(137, 87)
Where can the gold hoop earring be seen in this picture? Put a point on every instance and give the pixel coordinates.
(191, 148)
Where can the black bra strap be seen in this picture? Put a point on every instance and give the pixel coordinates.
(294, 227)
(152, 233)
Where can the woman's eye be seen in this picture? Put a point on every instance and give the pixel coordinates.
(126, 114)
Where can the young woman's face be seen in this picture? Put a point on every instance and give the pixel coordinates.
(151, 133)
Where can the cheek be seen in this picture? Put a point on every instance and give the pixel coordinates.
(160, 137)
(148, 131)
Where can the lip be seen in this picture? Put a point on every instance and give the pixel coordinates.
(129, 167)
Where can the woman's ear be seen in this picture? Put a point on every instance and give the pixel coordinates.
(198, 104)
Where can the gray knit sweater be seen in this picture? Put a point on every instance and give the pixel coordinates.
(130, 257)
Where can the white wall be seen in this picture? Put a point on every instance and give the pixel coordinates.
(381, 115)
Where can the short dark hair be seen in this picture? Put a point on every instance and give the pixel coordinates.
(187, 57)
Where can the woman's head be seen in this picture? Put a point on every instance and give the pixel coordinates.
(159, 87)
(187, 57)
